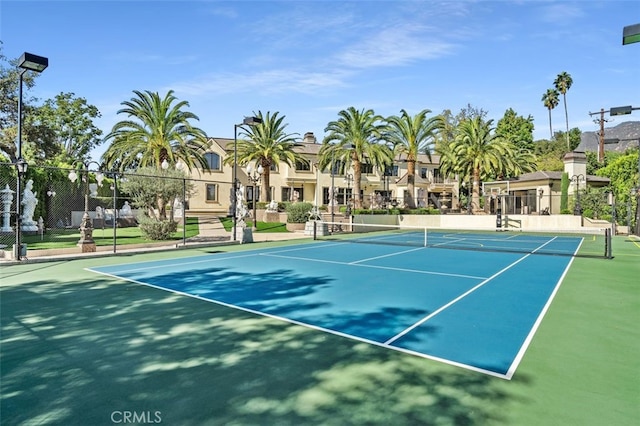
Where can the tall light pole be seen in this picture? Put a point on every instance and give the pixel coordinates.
(86, 241)
(28, 62)
(249, 121)
(254, 176)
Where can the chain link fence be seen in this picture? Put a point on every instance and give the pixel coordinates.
(53, 207)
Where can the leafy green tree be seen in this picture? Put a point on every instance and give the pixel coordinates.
(64, 127)
(574, 137)
(151, 189)
(516, 129)
(623, 173)
(477, 152)
(470, 113)
(550, 100)
(9, 86)
(411, 135)
(563, 83)
(157, 129)
(353, 139)
(266, 143)
(549, 154)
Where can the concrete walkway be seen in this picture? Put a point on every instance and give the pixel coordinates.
(211, 229)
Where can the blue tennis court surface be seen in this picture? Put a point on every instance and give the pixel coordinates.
(478, 310)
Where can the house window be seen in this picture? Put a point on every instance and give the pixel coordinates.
(213, 160)
(303, 165)
(212, 192)
(367, 168)
(391, 170)
(292, 194)
(423, 172)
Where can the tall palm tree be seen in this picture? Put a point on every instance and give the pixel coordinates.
(354, 138)
(479, 151)
(411, 135)
(157, 129)
(562, 84)
(266, 143)
(550, 100)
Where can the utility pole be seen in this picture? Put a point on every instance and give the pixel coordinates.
(601, 122)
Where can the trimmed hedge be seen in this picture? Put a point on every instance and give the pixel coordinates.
(157, 229)
(298, 212)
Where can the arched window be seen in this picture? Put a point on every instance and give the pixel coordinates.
(213, 160)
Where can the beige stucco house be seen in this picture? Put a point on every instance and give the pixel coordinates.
(305, 182)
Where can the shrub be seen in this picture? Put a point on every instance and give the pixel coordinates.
(154, 229)
(298, 212)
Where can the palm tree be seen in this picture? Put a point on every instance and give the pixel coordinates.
(478, 151)
(411, 135)
(354, 139)
(550, 100)
(563, 83)
(156, 130)
(266, 144)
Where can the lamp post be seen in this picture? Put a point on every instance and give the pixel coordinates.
(249, 121)
(578, 178)
(332, 194)
(254, 175)
(86, 241)
(28, 62)
(348, 178)
(114, 224)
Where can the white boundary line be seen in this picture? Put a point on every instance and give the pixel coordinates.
(459, 298)
(387, 344)
(310, 326)
(389, 268)
(525, 345)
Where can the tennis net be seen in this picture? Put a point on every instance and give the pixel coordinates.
(589, 242)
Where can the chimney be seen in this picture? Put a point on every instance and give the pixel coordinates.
(309, 138)
(575, 164)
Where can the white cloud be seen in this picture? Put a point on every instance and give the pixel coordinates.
(393, 47)
(263, 82)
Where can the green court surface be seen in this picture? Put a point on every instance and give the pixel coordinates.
(84, 349)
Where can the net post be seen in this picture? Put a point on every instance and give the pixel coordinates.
(607, 239)
(315, 227)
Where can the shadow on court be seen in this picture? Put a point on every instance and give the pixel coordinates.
(88, 351)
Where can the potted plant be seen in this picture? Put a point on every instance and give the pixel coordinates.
(297, 215)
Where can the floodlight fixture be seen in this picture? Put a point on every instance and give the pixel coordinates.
(631, 34)
(29, 61)
(623, 110)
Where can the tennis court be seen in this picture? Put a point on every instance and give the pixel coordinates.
(474, 309)
(80, 347)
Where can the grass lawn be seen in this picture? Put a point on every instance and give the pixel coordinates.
(68, 238)
(227, 222)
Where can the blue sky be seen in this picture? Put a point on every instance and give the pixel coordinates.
(310, 59)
